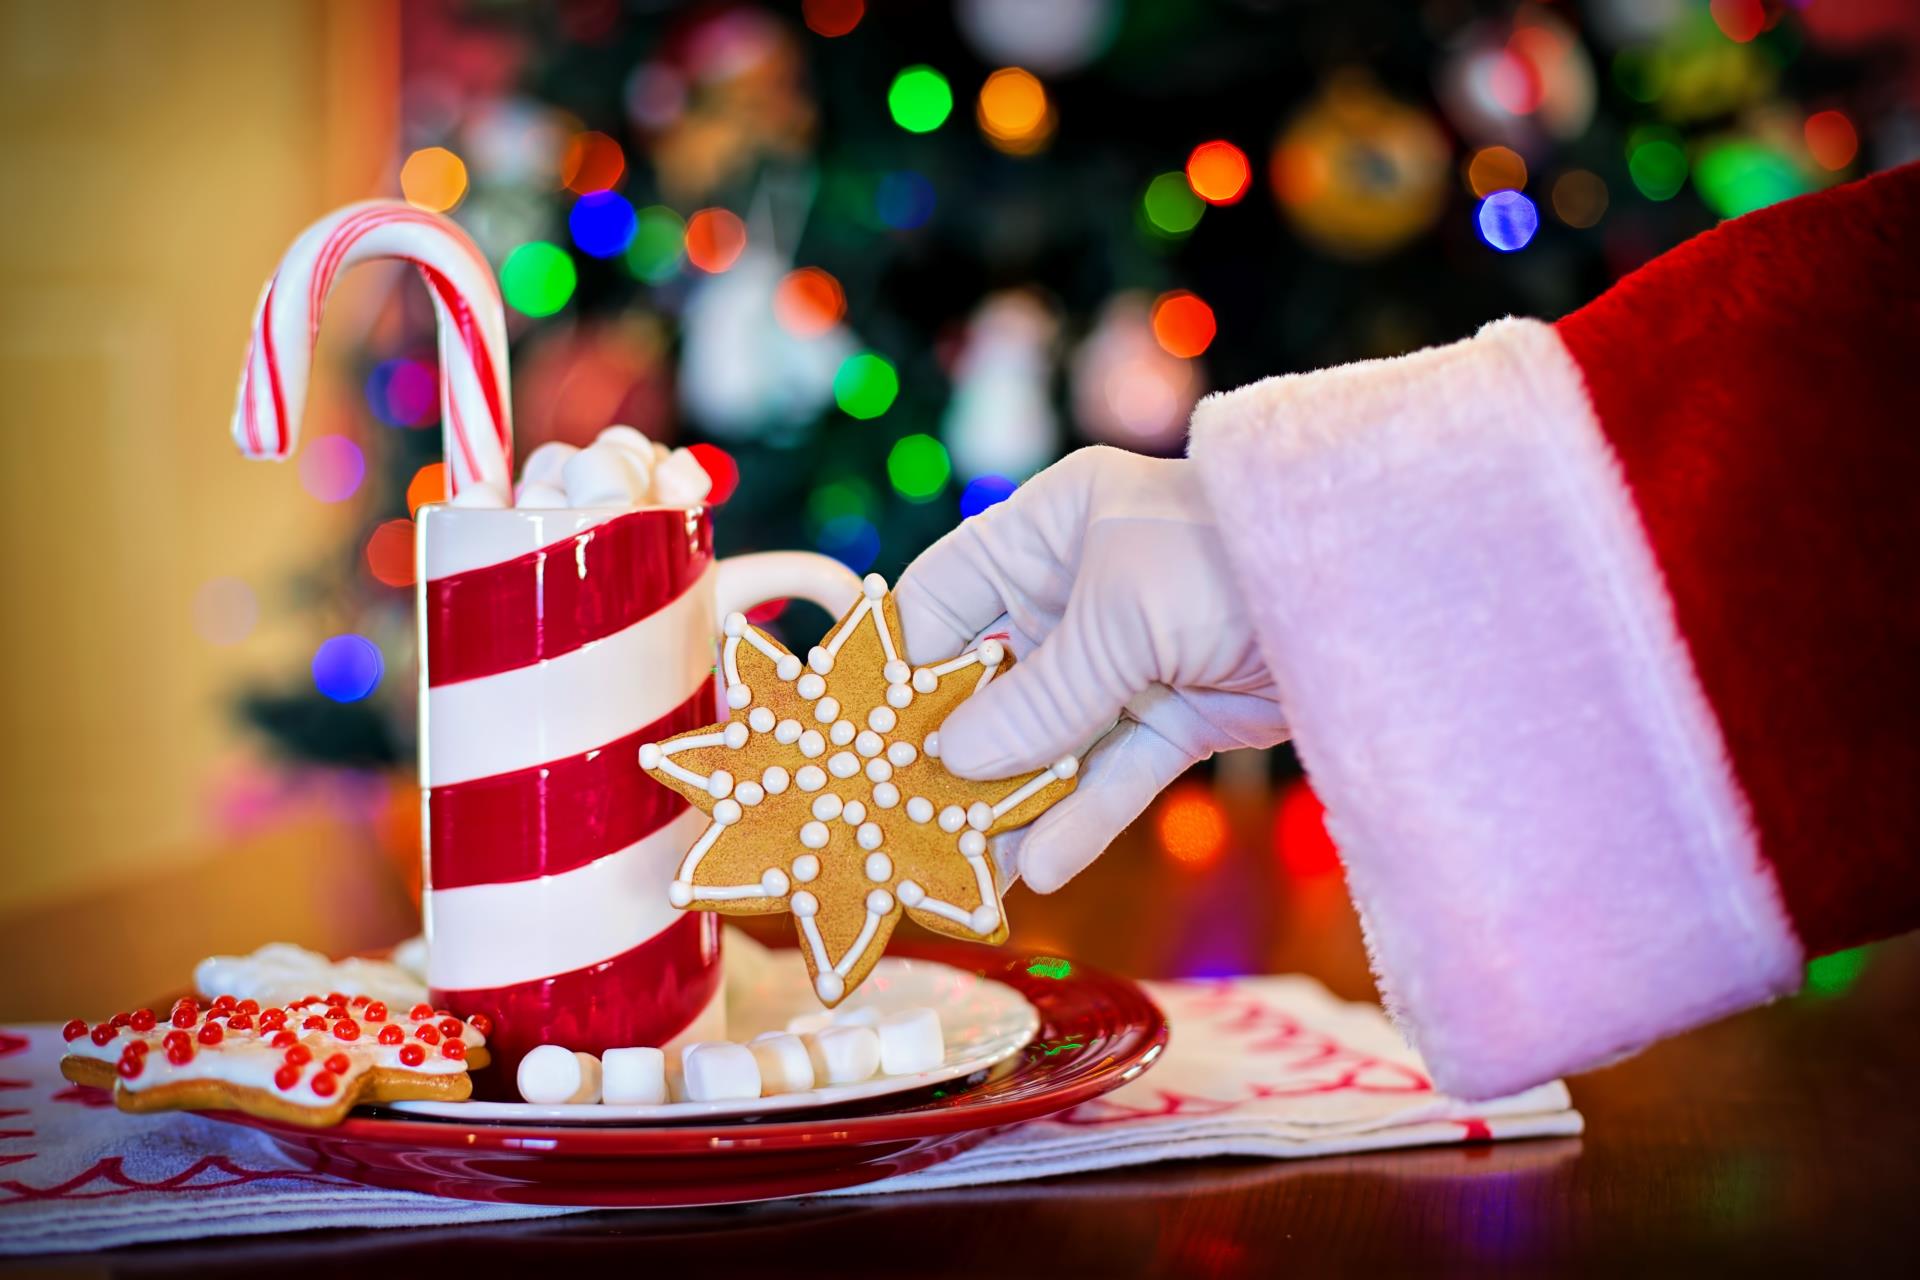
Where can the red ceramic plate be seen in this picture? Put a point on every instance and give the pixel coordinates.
(1097, 1031)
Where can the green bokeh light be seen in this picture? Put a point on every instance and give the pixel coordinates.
(659, 245)
(865, 386)
(537, 278)
(1831, 975)
(1738, 177)
(919, 467)
(838, 499)
(1171, 206)
(920, 100)
(1656, 163)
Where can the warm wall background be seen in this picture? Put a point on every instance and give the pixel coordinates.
(155, 159)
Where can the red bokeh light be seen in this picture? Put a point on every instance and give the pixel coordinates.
(720, 468)
(833, 17)
(390, 553)
(1831, 139)
(1183, 325)
(1300, 833)
(1218, 172)
(1191, 824)
(715, 238)
(594, 162)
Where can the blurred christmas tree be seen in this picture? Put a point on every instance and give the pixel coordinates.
(885, 261)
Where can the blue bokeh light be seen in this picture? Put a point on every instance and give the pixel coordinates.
(404, 393)
(1507, 221)
(602, 224)
(984, 491)
(852, 540)
(903, 200)
(347, 668)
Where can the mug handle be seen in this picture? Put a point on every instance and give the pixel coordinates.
(742, 582)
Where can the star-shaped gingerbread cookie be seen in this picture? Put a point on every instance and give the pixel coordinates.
(828, 798)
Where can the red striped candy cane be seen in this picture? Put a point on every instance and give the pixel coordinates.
(476, 416)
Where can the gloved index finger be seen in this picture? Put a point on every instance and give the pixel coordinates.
(982, 569)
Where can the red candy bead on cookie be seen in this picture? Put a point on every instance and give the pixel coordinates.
(138, 1046)
(358, 1001)
(455, 1049)
(391, 1034)
(120, 1019)
(420, 1012)
(74, 1030)
(451, 1026)
(413, 1055)
(334, 997)
(314, 1023)
(299, 1055)
(211, 1033)
(180, 1052)
(325, 1084)
(482, 1023)
(223, 1002)
(272, 1019)
(105, 1032)
(239, 1022)
(173, 1038)
(287, 1077)
(374, 1012)
(282, 1039)
(346, 1029)
(338, 1063)
(248, 1006)
(184, 1015)
(131, 1064)
(425, 1034)
(142, 1020)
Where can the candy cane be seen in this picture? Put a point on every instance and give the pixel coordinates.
(475, 411)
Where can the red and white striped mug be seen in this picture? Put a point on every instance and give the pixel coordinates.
(554, 643)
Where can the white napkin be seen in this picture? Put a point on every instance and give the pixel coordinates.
(1271, 1067)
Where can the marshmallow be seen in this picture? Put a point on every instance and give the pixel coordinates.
(910, 1041)
(843, 1055)
(551, 1074)
(603, 475)
(807, 1023)
(634, 1076)
(479, 493)
(719, 1070)
(863, 1016)
(681, 481)
(784, 1064)
(536, 496)
(545, 463)
(639, 451)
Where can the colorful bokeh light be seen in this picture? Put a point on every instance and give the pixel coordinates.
(1170, 205)
(347, 668)
(1832, 975)
(1013, 111)
(1739, 20)
(832, 17)
(715, 239)
(865, 385)
(1507, 221)
(331, 468)
(920, 100)
(918, 467)
(809, 302)
(602, 224)
(390, 553)
(659, 244)
(1300, 836)
(593, 162)
(720, 468)
(1218, 172)
(1656, 162)
(1738, 176)
(903, 200)
(852, 540)
(983, 492)
(404, 393)
(1831, 139)
(1579, 198)
(847, 496)
(1191, 825)
(429, 484)
(1496, 169)
(537, 279)
(1183, 325)
(433, 178)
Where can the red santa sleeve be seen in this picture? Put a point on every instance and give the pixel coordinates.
(1601, 639)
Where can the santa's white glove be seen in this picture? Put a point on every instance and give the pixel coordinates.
(1108, 567)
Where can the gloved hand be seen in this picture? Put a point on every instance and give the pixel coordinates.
(1108, 567)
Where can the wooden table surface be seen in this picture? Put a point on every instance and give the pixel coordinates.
(1780, 1140)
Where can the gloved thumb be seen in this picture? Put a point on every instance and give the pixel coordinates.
(1120, 778)
(1065, 694)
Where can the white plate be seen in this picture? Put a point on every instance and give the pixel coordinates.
(984, 1022)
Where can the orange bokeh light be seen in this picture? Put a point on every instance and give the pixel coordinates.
(1013, 111)
(390, 553)
(715, 238)
(809, 302)
(594, 162)
(1300, 833)
(433, 178)
(429, 484)
(1218, 172)
(1496, 169)
(1182, 324)
(1191, 825)
(833, 17)
(1831, 139)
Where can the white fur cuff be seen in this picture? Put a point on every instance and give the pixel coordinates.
(1475, 649)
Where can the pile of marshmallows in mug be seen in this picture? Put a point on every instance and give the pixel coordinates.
(816, 1050)
(621, 468)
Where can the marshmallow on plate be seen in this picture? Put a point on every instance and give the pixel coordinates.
(785, 1066)
(719, 1070)
(636, 1076)
(910, 1041)
(551, 1074)
(843, 1055)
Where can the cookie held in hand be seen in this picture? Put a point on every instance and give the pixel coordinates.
(829, 800)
